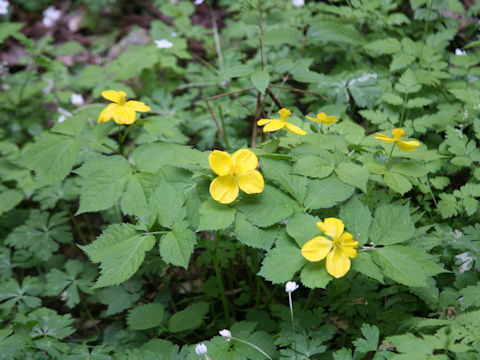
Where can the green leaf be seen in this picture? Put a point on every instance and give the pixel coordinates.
(105, 180)
(177, 246)
(134, 201)
(448, 205)
(267, 208)
(9, 28)
(121, 250)
(314, 166)
(281, 173)
(384, 46)
(189, 318)
(52, 157)
(399, 267)
(364, 264)
(392, 99)
(10, 199)
(282, 34)
(325, 193)
(302, 228)
(250, 235)
(120, 298)
(409, 168)
(281, 264)
(314, 275)
(145, 316)
(357, 219)
(166, 204)
(394, 224)
(330, 31)
(260, 80)
(418, 102)
(353, 174)
(215, 216)
(370, 343)
(49, 323)
(397, 182)
(411, 345)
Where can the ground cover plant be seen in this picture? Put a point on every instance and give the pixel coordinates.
(277, 179)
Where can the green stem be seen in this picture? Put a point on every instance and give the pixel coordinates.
(222, 121)
(76, 226)
(92, 319)
(426, 28)
(257, 278)
(403, 109)
(390, 155)
(109, 147)
(252, 345)
(126, 132)
(368, 193)
(219, 276)
(293, 323)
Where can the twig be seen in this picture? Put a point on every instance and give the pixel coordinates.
(228, 93)
(215, 120)
(255, 119)
(274, 98)
(299, 90)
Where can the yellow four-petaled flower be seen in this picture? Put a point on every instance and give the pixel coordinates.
(338, 250)
(122, 111)
(234, 172)
(277, 124)
(323, 118)
(397, 135)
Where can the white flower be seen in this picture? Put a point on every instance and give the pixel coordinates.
(173, 34)
(4, 7)
(77, 99)
(201, 349)
(198, 2)
(226, 334)
(50, 16)
(163, 44)
(291, 286)
(298, 3)
(460, 52)
(63, 114)
(467, 261)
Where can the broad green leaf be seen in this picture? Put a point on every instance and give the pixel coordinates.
(282, 34)
(357, 218)
(267, 208)
(215, 216)
(364, 264)
(177, 246)
(49, 322)
(370, 343)
(260, 80)
(353, 174)
(9, 199)
(121, 297)
(409, 168)
(399, 267)
(250, 235)
(8, 28)
(412, 345)
(145, 316)
(280, 172)
(105, 181)
(392, 99)
(166, 203)
(314, 275)
(302, 228)
(314, 166)
(52, 157)
(134, 201)
(394, 224)
(418, 102)
(397, 182)
(189, 318)
(281, 264)
(325, 193)
(384, 46)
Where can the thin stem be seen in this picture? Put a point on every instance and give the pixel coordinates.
(228, 93)
(76, 226)
(216, 39)
(426, 27)
(293, 322)
(219, 276)
(220, 131)
(262, 44)
(92, 319)
(403, 109)
(109, 147)
(390, 155)
(368, 193)
(252, 345)
(126, 132)
(256, 118)
(225, 136)
(274, 98)
(298, 90)
(431, 192)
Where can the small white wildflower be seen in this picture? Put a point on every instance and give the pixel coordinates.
(4, 7)
(198, 2)
(291, 286)
(298, 3)
(173, 34)
(47, 89)
(77, 99)
(201, 349)
(226, 334)
(163, 44)
(460, 52)
(64, 114)
(467, 261)
(50, 16)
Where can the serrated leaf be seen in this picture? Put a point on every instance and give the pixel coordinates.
(281, 173)
(384, 46)
(409, 168)
(302, 228)
(215, 216)
(418, 102)
(281, 264)
(357, 219)
(145, 316)
(364, 264)
(166, 203)
(8, 28)
(189, 318)
(260, 80)
(251, 235)
(278, 35)
(353, 174)
(371, 336)
(325, 193)
(314, 166)
(134, 201)
(401, 60)
(394, 224)
(177, 246)
(9, 199)
(314, 275)
(397, 182)
(391, 98)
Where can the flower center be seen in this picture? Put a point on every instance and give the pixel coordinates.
(122, 100)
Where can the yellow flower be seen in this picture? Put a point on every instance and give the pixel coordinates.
(122, 111)
(398, 134)
(337, 251)
(323, 118)
(277, 124)
(236, 171)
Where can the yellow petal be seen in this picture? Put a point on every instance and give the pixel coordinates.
(123, 115)
(317, 248)
(262, 122)
(224, 189)
(244, 160)
(384, 138)
(329, 120)
(251, 181)
(115, 96)
(347, 245)
(274, 125)
(107, 113)
(294, 129)
(284, 113)
(137, 106)
(312, 118)
(221, 163)
(338, 263)
(332, 227)
(407, 145)
(398, 133)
